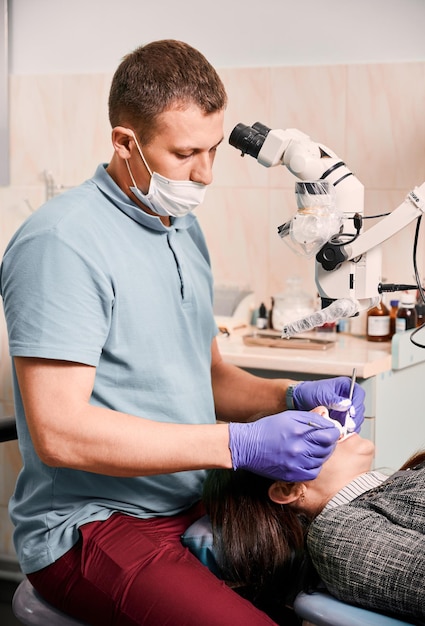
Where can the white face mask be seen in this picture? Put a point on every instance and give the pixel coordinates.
(165, 197)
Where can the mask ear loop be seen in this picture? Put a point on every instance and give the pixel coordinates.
(130, 173)
(141, 153)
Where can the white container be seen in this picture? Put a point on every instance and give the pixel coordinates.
(292, 305)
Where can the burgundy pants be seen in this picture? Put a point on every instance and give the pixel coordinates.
(127, 571)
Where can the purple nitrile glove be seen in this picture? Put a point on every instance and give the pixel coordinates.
(333, 394)
(290, 446)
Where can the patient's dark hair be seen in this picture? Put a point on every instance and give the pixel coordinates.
(259, 543)
(416, 459)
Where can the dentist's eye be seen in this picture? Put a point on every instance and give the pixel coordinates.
(184, 156)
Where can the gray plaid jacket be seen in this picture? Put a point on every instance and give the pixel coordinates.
(371, 552)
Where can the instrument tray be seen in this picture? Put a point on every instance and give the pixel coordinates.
(272, 339)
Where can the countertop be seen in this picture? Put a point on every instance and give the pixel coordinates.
(348, 351)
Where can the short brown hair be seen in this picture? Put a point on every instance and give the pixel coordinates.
(157, 76)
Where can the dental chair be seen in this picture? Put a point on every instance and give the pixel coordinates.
(27, 605)
(315, 609)
(322, 609)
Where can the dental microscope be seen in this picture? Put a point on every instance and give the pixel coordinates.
(347, 265)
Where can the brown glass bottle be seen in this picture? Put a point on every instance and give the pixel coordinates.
(406, 314)
(378, 323)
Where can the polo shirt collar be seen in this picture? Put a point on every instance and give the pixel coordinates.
(116, 195)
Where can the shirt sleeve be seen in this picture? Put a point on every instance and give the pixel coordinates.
(57, 303)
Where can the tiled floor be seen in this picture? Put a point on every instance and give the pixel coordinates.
(7, 589)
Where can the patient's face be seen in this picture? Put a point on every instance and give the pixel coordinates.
(352, 456)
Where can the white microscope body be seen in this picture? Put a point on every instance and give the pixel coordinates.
(349, 273)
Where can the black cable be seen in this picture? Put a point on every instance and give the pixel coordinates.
(372, 217)
(418, 282)
(336, 241)
(416, 343)
(415, 264)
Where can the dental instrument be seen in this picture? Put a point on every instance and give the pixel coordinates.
(353, 382)
(349, 424)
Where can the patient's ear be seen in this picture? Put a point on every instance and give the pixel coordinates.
(286, 493)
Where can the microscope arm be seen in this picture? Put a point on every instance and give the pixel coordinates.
(354, 271)
(409, 210)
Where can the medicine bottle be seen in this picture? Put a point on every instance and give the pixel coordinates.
(378, 323)
(420, 312)
(393, 315)
(406, 314)
(262, 319)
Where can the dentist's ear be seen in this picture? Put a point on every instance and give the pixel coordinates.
(122, 139)
(286, 493)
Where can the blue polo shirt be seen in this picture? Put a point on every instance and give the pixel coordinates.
(91, 278)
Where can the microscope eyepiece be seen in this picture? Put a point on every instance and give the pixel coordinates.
(249, 139)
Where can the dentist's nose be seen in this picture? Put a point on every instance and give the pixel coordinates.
(202, 170)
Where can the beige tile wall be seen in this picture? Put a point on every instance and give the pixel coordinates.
(372, 116)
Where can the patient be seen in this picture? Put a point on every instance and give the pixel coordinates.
(364, 532)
